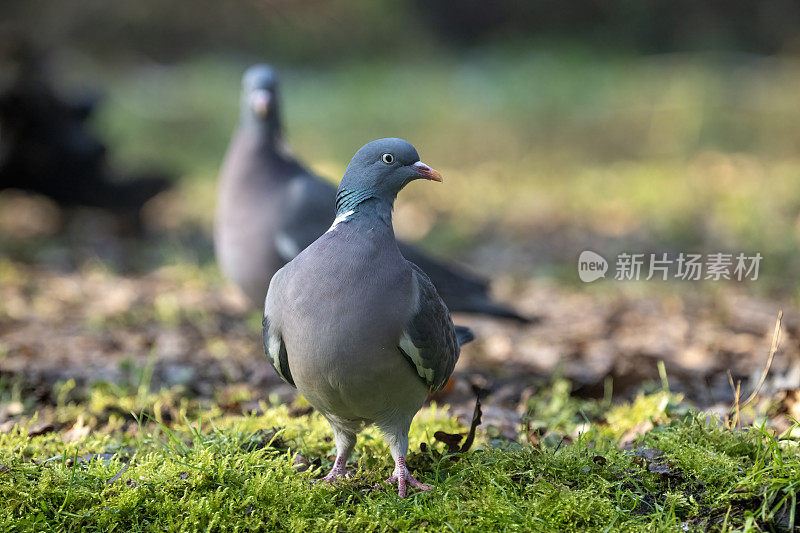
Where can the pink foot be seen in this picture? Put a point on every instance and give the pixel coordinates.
(339, 470)
(403, 477)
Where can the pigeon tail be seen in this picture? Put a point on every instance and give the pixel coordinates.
(464, 335)
(487, 307)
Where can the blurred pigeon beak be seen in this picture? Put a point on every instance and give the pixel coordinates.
(259, 102)
(424, 171)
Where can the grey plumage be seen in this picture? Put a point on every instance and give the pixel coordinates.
(268, 205)
(270, 208)
(359, 330)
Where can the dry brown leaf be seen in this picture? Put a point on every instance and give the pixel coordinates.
(78, 431)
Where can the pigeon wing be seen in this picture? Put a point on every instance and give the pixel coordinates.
(274, 346)
(429, 339)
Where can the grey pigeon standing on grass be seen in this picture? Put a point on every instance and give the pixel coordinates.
(358, 329)
(270, 208)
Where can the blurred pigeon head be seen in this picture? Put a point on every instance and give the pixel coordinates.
(260, 96)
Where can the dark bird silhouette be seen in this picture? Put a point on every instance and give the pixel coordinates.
(47, 147)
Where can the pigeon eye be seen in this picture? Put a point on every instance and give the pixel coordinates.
(387, 158)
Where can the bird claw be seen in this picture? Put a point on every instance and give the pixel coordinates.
(403, 479)
(339, 470)
(332, 477)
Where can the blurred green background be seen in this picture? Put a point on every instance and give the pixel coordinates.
(612, 126)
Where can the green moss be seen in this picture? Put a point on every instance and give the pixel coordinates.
(207, 470)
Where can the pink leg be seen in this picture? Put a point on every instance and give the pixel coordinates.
(339, 469)
(404, 477)
(345, 440)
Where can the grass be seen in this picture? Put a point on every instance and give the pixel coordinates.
(164, 462)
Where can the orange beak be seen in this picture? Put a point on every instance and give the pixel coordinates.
(424, 171)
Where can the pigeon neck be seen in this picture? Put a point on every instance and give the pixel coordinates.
(267, 136)
(349, 199)
(351, 203)
(268, 131)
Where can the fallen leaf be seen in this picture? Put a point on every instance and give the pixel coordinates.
(301, 463)
(649, 454)
(630, 436)
(118, 474)
(450, 440)
(42, 429)
(296, 412)
(77, 432)
(263, 438)
(89, 457)
(790, 403)
(535, 436)
(658, 467)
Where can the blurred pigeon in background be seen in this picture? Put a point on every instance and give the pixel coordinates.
(46, 147)
(358, 329)
(270, 208)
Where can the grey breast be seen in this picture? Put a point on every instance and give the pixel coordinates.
(248, 214)
(345, 300)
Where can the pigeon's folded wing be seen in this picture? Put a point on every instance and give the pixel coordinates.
(429, 339)
(274, 346)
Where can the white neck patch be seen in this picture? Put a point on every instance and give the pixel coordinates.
(340, 218)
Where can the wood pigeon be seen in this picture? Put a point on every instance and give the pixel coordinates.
(358, 329)
(270, 208)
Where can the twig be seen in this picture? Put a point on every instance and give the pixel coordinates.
(451, 440)
(738, 407)
(662, 372)
(736, 389)
(476, 417)
(776, 339)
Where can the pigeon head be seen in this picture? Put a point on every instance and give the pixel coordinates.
(260, 96)
(380, 169)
